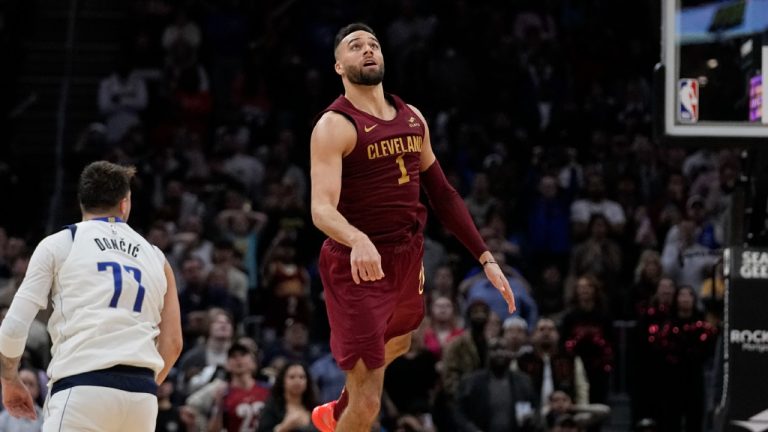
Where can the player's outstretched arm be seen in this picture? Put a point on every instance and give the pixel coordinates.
(332, 138)
(453, 214)
(16, 397)
(169, 343)
(13, 338)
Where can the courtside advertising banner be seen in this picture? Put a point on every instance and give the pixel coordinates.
(745, 384)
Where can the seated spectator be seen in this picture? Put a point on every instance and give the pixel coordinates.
(285, 282)
(442, 325)
(585, 416)
(593, 203)
(291, 402)
(587, 328)
(496, 398)
(647, 277)
(548, 230)
(168, 416)
(411, 381)
(329, 378)
(467, 352)
(515, 337)
(550, 368)
(685, 260)
(479, 201)
(201, 361)
(234, 403)
(599, 255)
(293, 346)
(122, 98)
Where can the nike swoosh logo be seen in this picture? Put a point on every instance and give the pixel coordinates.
(369, 128)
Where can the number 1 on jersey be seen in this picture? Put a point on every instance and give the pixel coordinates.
(117, 276)
(404, 178)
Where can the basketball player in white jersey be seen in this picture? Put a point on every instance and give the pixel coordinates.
(115, 326)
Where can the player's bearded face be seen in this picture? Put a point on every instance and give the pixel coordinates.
(366, 75)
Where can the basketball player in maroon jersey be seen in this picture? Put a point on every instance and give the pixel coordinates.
(370, 153)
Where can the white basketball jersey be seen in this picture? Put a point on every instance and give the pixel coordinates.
(107, 297)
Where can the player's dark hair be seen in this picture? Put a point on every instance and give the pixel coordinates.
(103, 184)
(351, 28)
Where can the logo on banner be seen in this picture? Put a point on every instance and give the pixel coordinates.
(689, 100)
(750, 340)
(754, 265)
(756, 423)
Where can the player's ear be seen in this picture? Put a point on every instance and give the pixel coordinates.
(338, 68)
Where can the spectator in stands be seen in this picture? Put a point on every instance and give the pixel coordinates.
(443, 282)
(468, 352)
(515, 338)
(647, 277)
(328, 377)
(168, 416)
(182, 34)
(668, 209)
(411, 381)
(201, 292)
(549, 291)
(479, 201)
(681, 347)
(599, 255)
(239, 163)
(242, 227)
(236, 402)
(686, 260)
(442, 326)
(200, 363)
(585, 416)
(497, 398)
(293, 346)
(122, 97)
(587, 331)
(645, 359)
(9, 286)
(285, 282)
(593, 203)
(225, 258)
(288, 407)
(549, 227)
(550, 368)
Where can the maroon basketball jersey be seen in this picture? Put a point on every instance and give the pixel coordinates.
(242, 408)
(380, 177)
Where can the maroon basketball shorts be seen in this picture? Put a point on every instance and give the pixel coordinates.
(364, 317)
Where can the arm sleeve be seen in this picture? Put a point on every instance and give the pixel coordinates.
(15, 327)
(451, 210)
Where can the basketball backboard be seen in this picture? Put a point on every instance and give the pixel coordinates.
(715, 69)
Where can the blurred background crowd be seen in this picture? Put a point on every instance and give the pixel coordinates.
(541, 114)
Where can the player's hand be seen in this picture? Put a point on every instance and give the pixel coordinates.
(365, 261)
(17, 400)
(499, 280)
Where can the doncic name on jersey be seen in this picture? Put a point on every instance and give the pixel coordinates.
(117, 245)
(754, 265)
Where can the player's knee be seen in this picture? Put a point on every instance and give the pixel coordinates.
(367, 404)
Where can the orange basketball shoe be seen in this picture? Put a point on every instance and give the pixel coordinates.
(322, 417)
